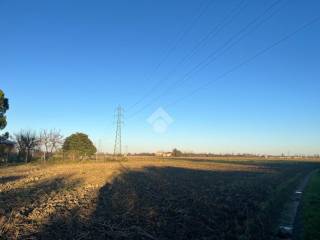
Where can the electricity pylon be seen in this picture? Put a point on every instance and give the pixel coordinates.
(117, 143)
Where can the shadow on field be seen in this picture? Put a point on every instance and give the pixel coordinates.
(250, 162)
(4, 180)
(174, 203)
(179, 203)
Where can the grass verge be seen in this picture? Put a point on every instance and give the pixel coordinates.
(311, 208)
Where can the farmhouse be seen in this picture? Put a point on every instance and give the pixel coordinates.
(163, 154)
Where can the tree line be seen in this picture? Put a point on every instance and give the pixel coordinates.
(44, 144)
(30, 145)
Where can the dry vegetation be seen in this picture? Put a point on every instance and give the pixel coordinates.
(146, 198)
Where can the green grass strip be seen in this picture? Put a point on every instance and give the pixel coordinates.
(311, 208)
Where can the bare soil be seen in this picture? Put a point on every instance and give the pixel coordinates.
(146, 198)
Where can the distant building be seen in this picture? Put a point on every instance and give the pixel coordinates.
(7, 143)
(163, 154)
(6, 148)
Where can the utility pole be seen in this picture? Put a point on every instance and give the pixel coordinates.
(99, 147)
(126, 150)
(117, 143)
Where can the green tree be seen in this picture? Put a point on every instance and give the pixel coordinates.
(79, 144)
(4, 106)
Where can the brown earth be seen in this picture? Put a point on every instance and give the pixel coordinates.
(146, 198)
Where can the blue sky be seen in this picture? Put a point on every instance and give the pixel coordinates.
(69, 64)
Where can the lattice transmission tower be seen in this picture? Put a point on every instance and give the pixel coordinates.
(117, 143)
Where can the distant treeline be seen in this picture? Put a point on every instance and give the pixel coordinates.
(230, 155)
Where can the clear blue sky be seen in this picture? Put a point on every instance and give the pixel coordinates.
(68, 64)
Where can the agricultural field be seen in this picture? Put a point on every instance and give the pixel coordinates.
(147, 198)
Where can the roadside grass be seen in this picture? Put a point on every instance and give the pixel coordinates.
(311, 209)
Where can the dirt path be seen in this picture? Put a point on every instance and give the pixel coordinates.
(289, 219)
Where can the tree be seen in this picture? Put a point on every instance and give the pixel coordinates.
(50, 141)
(176, 153)
(45, 143)
(4, 106)
(27, 141)
(79, 143)
(55, 140)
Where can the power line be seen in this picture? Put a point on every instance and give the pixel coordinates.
(117, 142)
(173, 47)
(248, 60)
(255, 23)
(212, 33)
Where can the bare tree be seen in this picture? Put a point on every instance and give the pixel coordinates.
(27, 141)
(56, 140)
(50, 141)
(44, 142)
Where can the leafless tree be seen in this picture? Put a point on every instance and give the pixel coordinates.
(45, 142)
(56, 140)
(27, 141)
(50, 141)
